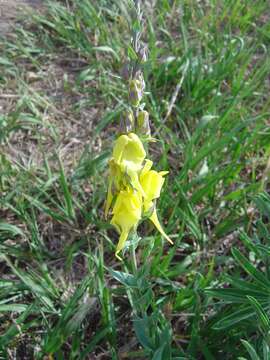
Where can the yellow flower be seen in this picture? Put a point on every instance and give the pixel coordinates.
(152, 182)
(135, 187)
(126, 215)
(128, 156)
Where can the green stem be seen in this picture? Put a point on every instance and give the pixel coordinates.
(133, 258)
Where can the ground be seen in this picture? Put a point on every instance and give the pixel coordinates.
(10, 9)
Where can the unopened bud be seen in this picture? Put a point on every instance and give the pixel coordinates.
(127, 122)
(139, 76)
(136, 92)
(143, 53)
(143, 125)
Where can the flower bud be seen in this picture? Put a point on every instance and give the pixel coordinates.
(139, 76)
(136, 88)
(143, 53)
(127, 122)
(143, 125)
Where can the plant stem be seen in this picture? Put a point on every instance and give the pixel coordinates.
(133, 256)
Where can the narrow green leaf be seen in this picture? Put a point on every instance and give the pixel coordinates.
(250, 349)
(251, 270)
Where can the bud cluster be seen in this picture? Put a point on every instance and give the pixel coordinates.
(136, 119)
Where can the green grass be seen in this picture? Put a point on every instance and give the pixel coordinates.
(62, 292)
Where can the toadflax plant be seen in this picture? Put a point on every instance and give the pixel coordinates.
(134, 186)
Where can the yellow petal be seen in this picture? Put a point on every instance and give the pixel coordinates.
(126, 215)
(134, 151)
(146, 168)
(152, 182)
(119, 147)
(155, 221)
(128, 202)
(123, 223)
(121, 244)
(129, 151)
(134, 180)
(116, 175)
(147, 205)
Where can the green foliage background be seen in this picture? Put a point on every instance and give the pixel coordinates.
(62, 292)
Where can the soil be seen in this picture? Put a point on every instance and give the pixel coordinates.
(11, 9)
